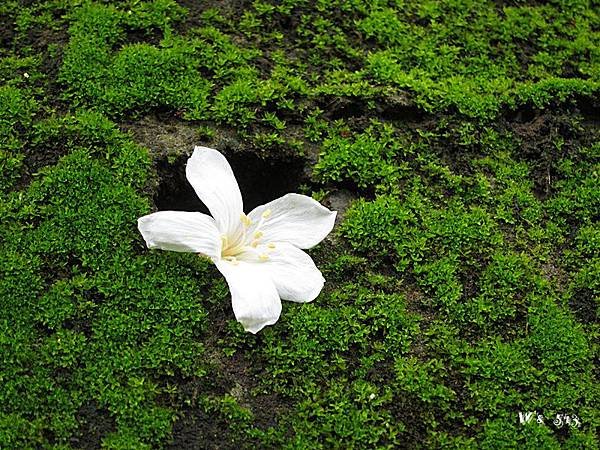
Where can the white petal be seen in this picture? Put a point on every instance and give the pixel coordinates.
(211, 176)
(294, 273)
(253, 295)
(296, 219)
(181, 231)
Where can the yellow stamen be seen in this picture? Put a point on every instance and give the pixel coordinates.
(232, 259)
(271, 245)
(254, 244)
(263, 257)
(245, 220)
(258, 235)
(266, 214)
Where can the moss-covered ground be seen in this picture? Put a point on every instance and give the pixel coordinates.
(460, 141)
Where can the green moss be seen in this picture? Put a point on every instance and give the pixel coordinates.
(17, 113)
(75, 288)
(139, 76)
(480, 67)
(365, 160)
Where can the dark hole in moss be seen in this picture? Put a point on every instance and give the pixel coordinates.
(151, 36)
(174, 192)
(583, 305)
(94, 424)
(590, 108)
(524, 114)
(260, 180)
(263, 180)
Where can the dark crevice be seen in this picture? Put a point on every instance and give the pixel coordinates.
(260, 180)
(94, 424)
(174, 192)
(150, 36)
(583, 305)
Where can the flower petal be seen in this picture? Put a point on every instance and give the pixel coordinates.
(253, 295)
(294, 273)
(296, 219)
(211, 176)
(181, 231)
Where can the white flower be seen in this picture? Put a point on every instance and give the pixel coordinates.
(259, 254)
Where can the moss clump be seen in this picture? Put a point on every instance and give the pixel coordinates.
(85, 319)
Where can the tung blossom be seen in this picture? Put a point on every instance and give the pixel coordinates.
(259, 253)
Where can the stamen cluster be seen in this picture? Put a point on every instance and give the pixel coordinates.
(247, 244)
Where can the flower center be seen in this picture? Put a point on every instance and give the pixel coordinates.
(251, 245)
